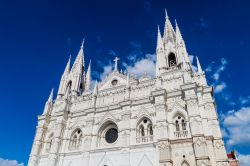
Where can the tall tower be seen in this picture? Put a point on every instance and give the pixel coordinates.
(171, 51)
(168, 120)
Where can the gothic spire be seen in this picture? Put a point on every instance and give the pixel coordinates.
(169, 34)
(198, 66)
(159, 39)
(88, 76)
(79, 62)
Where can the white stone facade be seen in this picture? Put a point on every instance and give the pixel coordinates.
(169, 120)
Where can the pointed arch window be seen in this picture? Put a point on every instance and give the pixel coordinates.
(172, 60)
(144, 131)
(76, 139)
(180, 127)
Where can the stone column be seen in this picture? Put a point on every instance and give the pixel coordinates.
(53, 157)
(196, 128)
(38, 141)
(161, 129)
(164, 153)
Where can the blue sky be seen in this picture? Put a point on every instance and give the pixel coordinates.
(37, 37)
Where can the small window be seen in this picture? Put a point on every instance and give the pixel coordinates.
(151, 130)
(142, 131)
(183, 124)
(177, 126)
(172, 60)
(111, 135)
(114, 82)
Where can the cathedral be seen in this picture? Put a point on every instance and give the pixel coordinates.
(167, 120)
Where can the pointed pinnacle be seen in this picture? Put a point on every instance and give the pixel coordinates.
(159, 39)
(83, 40)
(166, 14)
(128, 80)
(176, 24)
(89, 67)
(88, 76)
(199, 65)
(95, 88)
(51, 95)
(67, 68)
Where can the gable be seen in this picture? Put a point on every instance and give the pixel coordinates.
(115, 79)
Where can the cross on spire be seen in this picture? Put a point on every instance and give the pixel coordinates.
(116, 63)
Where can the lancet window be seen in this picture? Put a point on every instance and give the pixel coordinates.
(76, 139)
(144, 131)
(180, 126)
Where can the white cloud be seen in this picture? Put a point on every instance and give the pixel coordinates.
(221, 68)
(216, 76)
(244, 100)
(220, 87)
(215, 71)
(136, 51)
(209, 67)
(6, 162)
(234, 123)
(142, 65)
(106, 71)
(244, 159)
